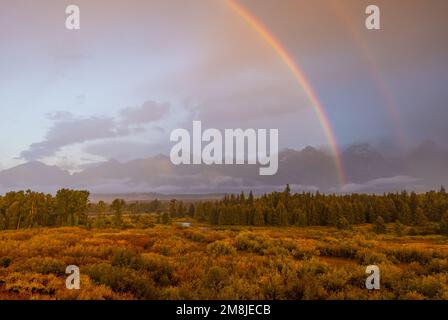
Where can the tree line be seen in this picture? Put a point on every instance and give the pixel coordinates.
(316, 209)
(27, 209)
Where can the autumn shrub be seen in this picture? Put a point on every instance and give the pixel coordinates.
(409, 254)
(272, 286)
(314, 290)
(182, 292)
(343, 249)
(312, 267)
(214, 278)
(173, 245)
(42, 265)
(10, 248)
(221, 248)
(124, 257)
(237, 288)
(207, 263)
(305, 252)
(194, 235)
(159, 267)
(5, 262)
(90, 291)
(290, 247)
(252, 242)
(123, 280)
(432, 286)
(412, 295)
(368, 257)
(392, 277)
(438, 266)
(19, 235)
(426, 230)
(335, 279)
(90, 249)
(32, 284)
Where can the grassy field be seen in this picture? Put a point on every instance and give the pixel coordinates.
(205, 262)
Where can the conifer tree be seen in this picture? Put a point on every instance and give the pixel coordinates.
(343, 223)
(172, 208)
(166, 218)
(302, 220)
(399, 228)
(250, 199)
(117, 206)
(444, 224)
(259, 217)
(380, 225)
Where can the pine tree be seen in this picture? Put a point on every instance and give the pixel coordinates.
(166, 218)
(199, 213)
(301, 220)
(420, 218)
(259, 217)
(242, 198)
(172, 208)
(271, 216)
(222, 216)
(250, 199)
(399, 228)
(118, 206)
(282, 215)
(444, 224)
(404, 214)
(287, 190)
(100, 220)
(180, 210)
(380, 225)
(343, 223)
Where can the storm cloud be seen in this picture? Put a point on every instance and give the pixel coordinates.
(67, 129)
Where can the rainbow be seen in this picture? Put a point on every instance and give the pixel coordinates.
(301, 79)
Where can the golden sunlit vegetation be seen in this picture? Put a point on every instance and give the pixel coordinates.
(204, 262)
(277, 246)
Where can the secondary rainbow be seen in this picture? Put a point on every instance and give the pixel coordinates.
(301, 79)
(354, 31)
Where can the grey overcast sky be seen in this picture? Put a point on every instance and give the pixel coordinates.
(138, 69)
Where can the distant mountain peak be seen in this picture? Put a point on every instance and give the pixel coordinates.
(360, 148)
(309, 149)
(427, 146)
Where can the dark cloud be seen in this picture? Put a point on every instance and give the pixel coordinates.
(68, 132)
(67, 129)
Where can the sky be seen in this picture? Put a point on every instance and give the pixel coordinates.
(136, 70)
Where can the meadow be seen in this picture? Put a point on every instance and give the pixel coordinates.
(151, 260)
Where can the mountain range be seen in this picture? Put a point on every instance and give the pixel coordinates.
(367, 169)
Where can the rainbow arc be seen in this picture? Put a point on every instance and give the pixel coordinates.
(301, 79)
